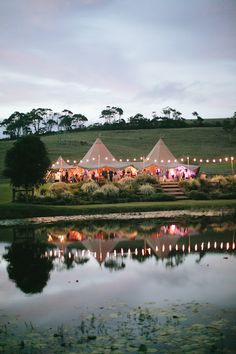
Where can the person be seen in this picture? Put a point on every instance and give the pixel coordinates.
(110, 175)
(167, 174)
(66, 176)
(93, 176)
(104, 174)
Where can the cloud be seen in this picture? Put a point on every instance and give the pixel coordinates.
(135, 54)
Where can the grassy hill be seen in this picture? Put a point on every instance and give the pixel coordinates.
(194, 142)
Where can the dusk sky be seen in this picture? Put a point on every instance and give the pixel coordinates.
(140, 55)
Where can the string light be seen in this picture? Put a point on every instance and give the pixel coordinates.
(195, 160)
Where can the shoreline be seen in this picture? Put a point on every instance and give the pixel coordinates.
(167, 214)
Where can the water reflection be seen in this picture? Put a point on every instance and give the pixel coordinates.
(32, 253)
(26, 265)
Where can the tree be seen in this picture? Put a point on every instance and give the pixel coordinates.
(36, 117)
(16, 125)
(66, 119)
(26, 163)
(119, 111)
(108, 114)
(79, 120)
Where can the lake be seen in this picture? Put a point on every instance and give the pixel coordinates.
(118, 286)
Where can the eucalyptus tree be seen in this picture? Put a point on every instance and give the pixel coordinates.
(79, 120)
(16, 125)
(36, 118)
(108, 114)
(65, 120)
(167, 112)
(118, 111)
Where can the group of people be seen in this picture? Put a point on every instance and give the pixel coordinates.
(115, 175)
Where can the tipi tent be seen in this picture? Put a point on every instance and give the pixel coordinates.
(160, 155)
(60, 164)
(98, 156)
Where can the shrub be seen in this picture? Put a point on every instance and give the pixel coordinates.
(109, 190)
(126, 183)
(198, 195)
(146, 189)
(189, 185)
(89, 187)
(220, 180)
(144, 179)
(61, 186)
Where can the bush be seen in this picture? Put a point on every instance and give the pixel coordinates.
(190, 185)
(109, 190)
(198, 195)
(61, 186)
(126, 183)
(144, 179)
(146, 189)
(89, 187)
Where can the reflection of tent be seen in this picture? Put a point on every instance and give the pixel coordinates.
(161, 245)
(98, 156)
(60, 164)
(101, 247)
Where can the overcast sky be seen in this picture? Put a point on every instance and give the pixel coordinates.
(140, 55)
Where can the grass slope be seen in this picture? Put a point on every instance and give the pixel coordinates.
(193, 142)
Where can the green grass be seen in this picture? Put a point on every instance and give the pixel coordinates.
(18, 210)
(193, 142)
(5, 193)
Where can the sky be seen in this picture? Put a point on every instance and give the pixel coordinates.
(140, 55)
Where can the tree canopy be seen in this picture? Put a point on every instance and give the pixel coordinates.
(26, 162)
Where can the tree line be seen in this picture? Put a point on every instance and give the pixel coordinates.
(44, 121)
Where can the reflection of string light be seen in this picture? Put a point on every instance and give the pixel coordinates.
(221, 245)
(208, 245)
(156, 248)
(122, 251)
(115, 253)
(195, 247)
(170, 248)
(202, 246)
(215, 244)
(129, 252)
(227, 246)
(143, 252)
(176, 247)
(163, 248)
(183, 248)
(136, 251)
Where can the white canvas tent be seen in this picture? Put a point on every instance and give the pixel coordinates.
(98, 156)
(160, 155)
(61, 164)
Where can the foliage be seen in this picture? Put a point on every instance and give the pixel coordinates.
(109, 190)
(26, 163)
(189, 185)
(145, 178)
(146, 189)
(89, 187)
(126, 183)
(198, 195)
